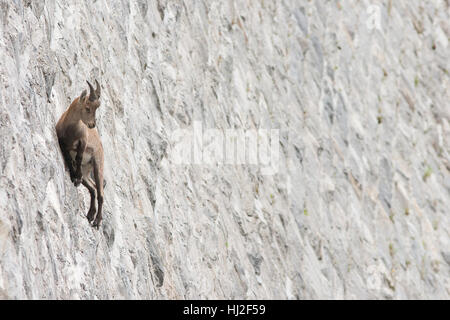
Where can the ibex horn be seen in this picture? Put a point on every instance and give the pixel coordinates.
(92, 96)
(97, 91)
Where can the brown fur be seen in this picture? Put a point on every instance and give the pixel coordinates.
(82, 148)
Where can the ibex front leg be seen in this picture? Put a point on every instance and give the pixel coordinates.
(78, 160)
(67, 159)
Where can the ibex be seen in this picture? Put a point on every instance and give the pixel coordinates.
(82, 149)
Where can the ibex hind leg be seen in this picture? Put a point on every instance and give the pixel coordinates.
(98, 175)
(104, 180)
(89, 184)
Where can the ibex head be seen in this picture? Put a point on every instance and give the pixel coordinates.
(89, 104)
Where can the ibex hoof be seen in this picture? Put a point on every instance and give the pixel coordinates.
(90, 216)
(76, 182)
(96, 223)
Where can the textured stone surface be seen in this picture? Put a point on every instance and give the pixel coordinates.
(358, 209)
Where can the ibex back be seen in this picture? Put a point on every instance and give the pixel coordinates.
(82, 149)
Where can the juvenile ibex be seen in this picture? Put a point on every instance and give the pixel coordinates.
(82, 149)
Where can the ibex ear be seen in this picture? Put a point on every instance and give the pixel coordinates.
(83, 95)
